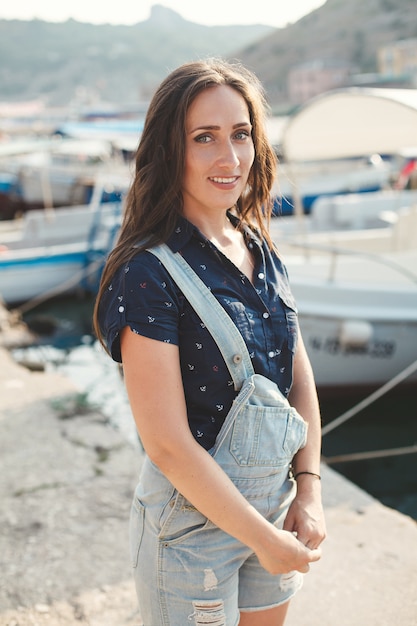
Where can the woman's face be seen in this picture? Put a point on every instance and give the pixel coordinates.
(219, 151)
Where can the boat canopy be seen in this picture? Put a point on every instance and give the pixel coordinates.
(353, 122)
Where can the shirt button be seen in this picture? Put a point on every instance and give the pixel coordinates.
(261, 275)
(237, 358)
(121, 309)
(265, 315)
(271, 354)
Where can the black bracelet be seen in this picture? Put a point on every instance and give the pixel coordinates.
(309, 473)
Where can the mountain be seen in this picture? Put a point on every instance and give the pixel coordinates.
(115, 63)
(350, 31)
(84, 62)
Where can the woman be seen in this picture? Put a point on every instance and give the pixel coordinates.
(208, 547)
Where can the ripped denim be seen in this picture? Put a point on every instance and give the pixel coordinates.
(187, 570)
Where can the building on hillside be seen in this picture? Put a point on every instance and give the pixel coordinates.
(398, 59)
(374, 79)
(315, 77)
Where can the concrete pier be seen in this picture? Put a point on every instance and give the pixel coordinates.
(66, 481)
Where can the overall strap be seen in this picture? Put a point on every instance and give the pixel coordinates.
(220, 325)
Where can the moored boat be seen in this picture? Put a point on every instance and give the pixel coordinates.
(48, 253)
(343, 141)
(357, 300)
(353, 262)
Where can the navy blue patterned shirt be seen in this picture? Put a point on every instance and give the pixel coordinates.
(143, 296)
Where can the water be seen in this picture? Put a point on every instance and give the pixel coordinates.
(390, 422)
(387, 424)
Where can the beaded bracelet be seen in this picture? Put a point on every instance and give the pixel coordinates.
(309, 473)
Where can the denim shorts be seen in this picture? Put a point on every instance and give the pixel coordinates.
(186, 569)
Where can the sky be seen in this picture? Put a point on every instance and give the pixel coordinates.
(275, 13)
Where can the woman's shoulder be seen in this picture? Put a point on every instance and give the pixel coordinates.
(141, 295)
(140, 282)
(141, 267)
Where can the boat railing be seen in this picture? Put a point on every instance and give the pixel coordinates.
(336, 252)
(103, 231)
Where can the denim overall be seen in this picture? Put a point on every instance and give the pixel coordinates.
(187, 570)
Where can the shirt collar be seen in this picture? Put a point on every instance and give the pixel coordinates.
(185, 230)
(182, 234)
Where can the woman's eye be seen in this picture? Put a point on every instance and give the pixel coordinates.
(203, 139)
(242, 134)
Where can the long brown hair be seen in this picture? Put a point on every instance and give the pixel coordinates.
(154, 200)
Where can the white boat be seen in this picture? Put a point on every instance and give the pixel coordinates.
(308, 181)
(33, 273)
(64, 266)
(356, 292)
(352, 263)
(346, 212)
(60, 171)
(50, 252)
(344, 141)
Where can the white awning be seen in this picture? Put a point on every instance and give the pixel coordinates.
(352, 123)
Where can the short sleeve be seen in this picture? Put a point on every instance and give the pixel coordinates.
(142, 296)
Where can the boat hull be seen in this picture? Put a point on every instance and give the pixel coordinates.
(342, 362)
(50, 273)
(359, 325)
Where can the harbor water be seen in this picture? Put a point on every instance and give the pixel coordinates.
(66, 343)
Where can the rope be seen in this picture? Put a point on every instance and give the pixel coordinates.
(373, 454)
(371, 398)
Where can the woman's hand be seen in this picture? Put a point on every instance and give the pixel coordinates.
(284, 553)
(305, 517)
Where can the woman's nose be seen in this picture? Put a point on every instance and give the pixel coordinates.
(227, 155)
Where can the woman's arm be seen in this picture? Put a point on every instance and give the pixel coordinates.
(154, 386)
(305, 515)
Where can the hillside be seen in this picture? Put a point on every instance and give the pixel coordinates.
(118, 63)
(349, 31)
(123, 64)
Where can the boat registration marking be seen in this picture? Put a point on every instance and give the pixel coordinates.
(377, 349)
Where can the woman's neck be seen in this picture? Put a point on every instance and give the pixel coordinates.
(227, 239)
(216, 228)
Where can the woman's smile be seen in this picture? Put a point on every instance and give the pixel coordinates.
(219, 152)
